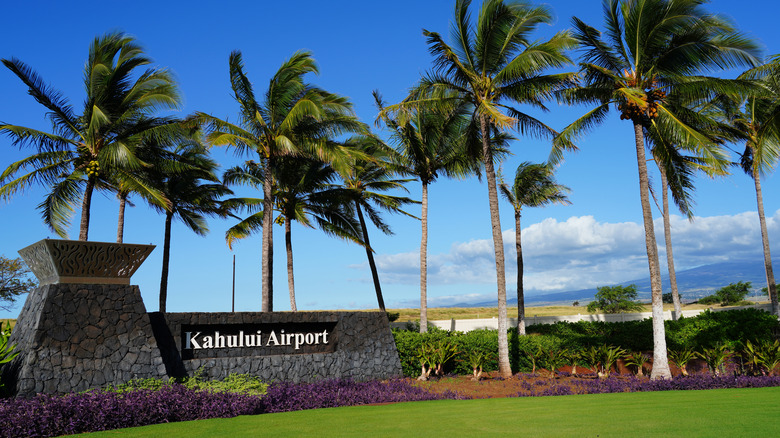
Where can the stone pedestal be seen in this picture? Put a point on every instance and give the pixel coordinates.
(84, 326)
(72, 337)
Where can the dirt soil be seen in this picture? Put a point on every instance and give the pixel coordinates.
(493, 386)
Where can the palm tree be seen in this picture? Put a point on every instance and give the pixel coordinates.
(192, 194)
(430, 141)
(534, 186)
(305, 193)
(756, 121)
(295, 119)
(364, 180)
(493, 61)
(676, 169)
(88, 151)
(651, 52)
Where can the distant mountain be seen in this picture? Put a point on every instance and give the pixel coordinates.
(692, 283)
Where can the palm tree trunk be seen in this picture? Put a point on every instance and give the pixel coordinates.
(504, 367)
(370, 254)
(267, 299)
(770, 275)
(668, 243)
(120, 229)
(86, 203)
(290, 278)
(660, 361)
(166, 259)
(520, 291)
(424, 261)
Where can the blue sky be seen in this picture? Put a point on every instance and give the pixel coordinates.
(361, 46)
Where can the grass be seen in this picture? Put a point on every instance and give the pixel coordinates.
(7, 323)
(491, 312)
(732, 412)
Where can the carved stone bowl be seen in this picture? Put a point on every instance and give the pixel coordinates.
(75, 261)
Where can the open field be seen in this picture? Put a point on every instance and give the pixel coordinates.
(490, 312)
(732, 412)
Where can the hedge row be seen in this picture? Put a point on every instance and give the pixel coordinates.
(705, 330)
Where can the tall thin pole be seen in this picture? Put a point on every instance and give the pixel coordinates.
(233, 307)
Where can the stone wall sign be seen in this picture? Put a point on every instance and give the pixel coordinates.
(85, 327)
(201, 341)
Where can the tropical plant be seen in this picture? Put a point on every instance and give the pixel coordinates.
(7, 352)
(430, 140)
(294, 119)
(14, 281)
(433, 355)
(716, 358)
(637, 360)
(95, 149)
(305, 193)
(763, 357)
(755, 118)
(534, 186)
(616, 299)
(553, 359)
(653, 52)
(364, 181)
(601, 359)
(477, 360)
(192, 194)
(493, 61)
(681, 358)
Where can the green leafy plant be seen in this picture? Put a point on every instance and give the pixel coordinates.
(681, 358)
(616, 299)
(762, 357)
(476, 360)
(637, 360)
(434, 355)
(601, 359)
(233, 383)
(552, 359)
(7, 352)
(716, 358)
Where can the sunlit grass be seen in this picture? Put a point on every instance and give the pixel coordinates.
(749, 412)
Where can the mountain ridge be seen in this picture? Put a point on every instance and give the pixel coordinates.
(692, 283)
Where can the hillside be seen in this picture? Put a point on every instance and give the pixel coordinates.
(693, 284)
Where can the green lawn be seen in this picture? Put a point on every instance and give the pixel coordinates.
(747, 412)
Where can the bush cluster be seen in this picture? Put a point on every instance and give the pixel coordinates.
(237, 383)
(708, 330)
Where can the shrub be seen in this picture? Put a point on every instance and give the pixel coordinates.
(235, 383)
(637, 360)
(668, 298)
(434, 355)
(730, 295)
(7, 352)
(681, 358)
(762, 357)
(616, 299)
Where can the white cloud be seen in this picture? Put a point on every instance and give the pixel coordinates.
(582, 253)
